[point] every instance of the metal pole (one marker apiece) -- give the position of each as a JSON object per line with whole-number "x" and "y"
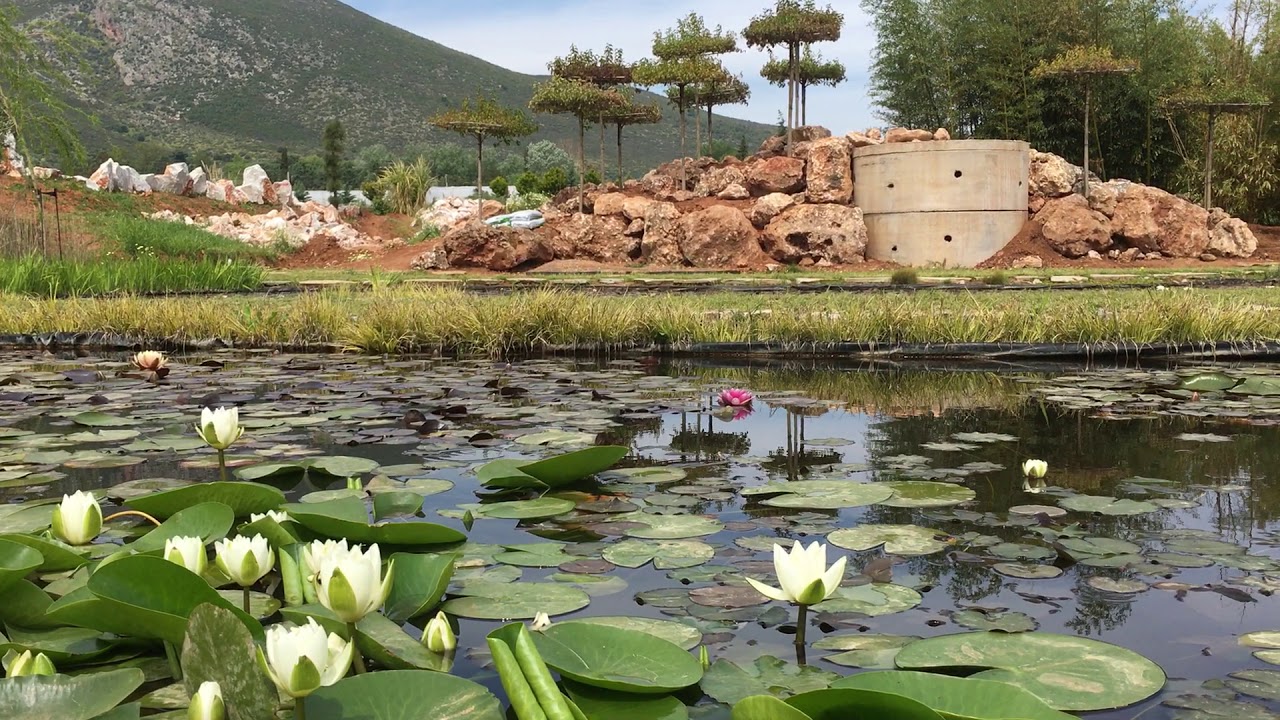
{"x": 1086, "y": 139}
{"x": 1208, "y": 162}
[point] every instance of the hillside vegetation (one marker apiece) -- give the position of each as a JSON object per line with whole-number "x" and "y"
{"x": 255, "y": 75}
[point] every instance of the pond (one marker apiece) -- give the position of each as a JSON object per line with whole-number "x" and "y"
{"x": 1154, "y": 528}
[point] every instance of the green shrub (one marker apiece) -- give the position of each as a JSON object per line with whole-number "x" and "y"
{"x": 527, "y": 201}
{"x": 591, "y": 177}
{"x": 426, "y": 232}
{"x": 904, "y": 276}
{"x": 528, "y": 183}
{"x": 996, "y": 278}
{"x": 553, "y": 181}
{"x": 499, "y": 187}
{"x": 141, "y": 237}
{"x": 403, "y": 186}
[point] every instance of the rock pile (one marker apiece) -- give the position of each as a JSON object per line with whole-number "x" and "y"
{"x": 178, "y": 179}
{"x": 451, "y": 212}
{"x": 10, "y": 161}
{"x": 293, "y": 225}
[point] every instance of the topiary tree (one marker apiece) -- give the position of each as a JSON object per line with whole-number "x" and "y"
{"x": 483, "y": 118}
{"x": 335, "y": 146}
{"x": 1215, "y": 99}
{"x": 793, "y": 24}
{"x": 684, "y": 58}
{"x": 606, "y": 70}
{"x": 813, "y": 70}
{"x": 723, "y": 90}
{"x": 584, "y": 101}
{"x": 1084, "y": 63}
{"x": 630, "y": 113}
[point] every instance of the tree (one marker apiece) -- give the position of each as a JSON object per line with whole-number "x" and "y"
{"x": 335, "y": 146}
{"x": 584, "y": 101}
{"x": 284, "y": 163}
{"x": 725, "y": 89}
{"x": 29, "y": 85}
{"x": 631, "y": 113}
{"x": 483, "y": 118}
{"x": 793, "y": 24}
{"x": 544, "y": 155}
{"x": 684, "y": 58}
{"x": 1085, "y": 63}
{"x": 813, "y": 70}
{"x": 370, "y": 162}
{"x": 604, "y": 71}
{"x": 1213, "y": 100}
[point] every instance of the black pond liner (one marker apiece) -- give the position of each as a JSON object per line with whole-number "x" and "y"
{"x": 850, "y": 351}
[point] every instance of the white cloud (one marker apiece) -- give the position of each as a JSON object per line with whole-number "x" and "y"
{"x": 524, "y": 40}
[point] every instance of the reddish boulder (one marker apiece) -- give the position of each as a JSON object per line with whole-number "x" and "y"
{"x": 611, "y": 203}
{"x": 1232, "y": 238}
{"x": 714, "y": 181}
{"x": 1154, "y": 221}
{"x": 768, "y": 207}
{"x": 663, "y": 232}
{"x": 776, "y": 174}
{"x": 773, "y": 146}
{"x": 816, "y": 233}
{"x": 495, "y": 248}
{"x": 808, "y": 133}
{"x": 592, "y": 237}
{"x": 829, "y": 172}
{"x": 941, "y": 134}
{"x": 1071, "y": 228}
{"x": 721, "y": 236}
{"x": 902, "y": 135}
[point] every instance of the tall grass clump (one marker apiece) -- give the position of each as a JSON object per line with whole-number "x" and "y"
{"x": 904, "y": 276}
{"x": 404, "y": 185}
{"x": 527, "y": 201}
{"x": 35, "y": 275}
{"x": 141, "y": 237}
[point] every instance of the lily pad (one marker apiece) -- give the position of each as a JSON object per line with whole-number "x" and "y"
{"x": 553, "y": 472}
{"x": 67, "y": 697}
{"x": 1107, "y": 505}
{"x": 727, "y": 682}
{"x": 514, "y": 601}
{"x": 1027, "y": 571}
{"x": 664, "y": 554}
{"x": 597, "y": 704}
{"x": 1264, "y": 684}
{"x": 543, "y": 507}
{"x": 16, "y": 561}
{"x": 208, "y": 521}
{"x": 925, "y": 494}
{"x": 418, "y": 584}
{"x": 896, "y": 539}
{"x": 403, "y": 695}
{"x": 682, "y": 635}
{"x": 957, "y": 698}
{"x": 1066, "y": 672}
{"x": 1119, "y": 586}
{"x": 218, "y": 648}
{"x": 871, "y": 600}
{"x": 822, "y": 494}
{"x": 1008, "y": 621}
{"x": 864, "y": 650}
{"x": 348, "y": 518}
{"x": 614, "y": 658}
{"x": 669, "y": 527}
{"x": 244, "y": 498}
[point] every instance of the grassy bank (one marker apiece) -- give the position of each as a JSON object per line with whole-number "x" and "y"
{"x": 427, "y": 319}
{"x": 38, "y": 276}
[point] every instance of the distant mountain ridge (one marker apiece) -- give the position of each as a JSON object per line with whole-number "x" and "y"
{"x": 260, "y": 74}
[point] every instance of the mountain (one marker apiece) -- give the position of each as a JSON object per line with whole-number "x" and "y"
{"x": 254, "y": 75}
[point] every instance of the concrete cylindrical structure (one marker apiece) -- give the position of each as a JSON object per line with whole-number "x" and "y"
{"x": 950, "y": 203}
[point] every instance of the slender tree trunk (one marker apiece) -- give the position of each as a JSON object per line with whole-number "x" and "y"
{"x": 697, "y": 134}
{"x": 619, "y": 153}
{"x": 1208, "y": 162}
{"x": 791, "y": 90}
{"x": 582, "y": 161}
{"x": 603, "y": 172}
{"x": 683, "y": 177}
{"x": 479, "y": 177}
{"x": 709, "y": 140}
{"x": 804, "y": 104}
{"x": 1087, "y": 90}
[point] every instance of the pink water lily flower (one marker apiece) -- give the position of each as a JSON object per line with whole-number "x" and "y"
{"x": 736, "y": 397}
{"x": 741, "y": 413}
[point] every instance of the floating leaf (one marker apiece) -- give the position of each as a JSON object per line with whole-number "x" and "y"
{"x": 16, "y": 561}
{"x": 218, "y": 648}
{"x": 1107, "y": 505}
{"x": 822, "y": 494}
{"x": 543, "y": 507}
{"x": 348, "y": 518}
{"x": 1027, "y": 571}
{"x": 924, "y": 494}
{"x": 872, "y": 600}
{"x": 896, "y": 539}
{"x": 1008, "y": 621}
{"x": 614, "y": 658}
{"x": 418, "y": 584}
{"x": 682, "y": 635}
{"x": 729, "y": 683}
{"x": 515, "y": 601}
{"x": 244, "y": 498}
{"x": 864, "y": 650}
{"x": 403, "y": 695}
{"x": 957, "y": 698}
{"x": 1119, "y": 586}
{"x": 664, "y": 554}
{"x": 208, "y": 521}
{"x": 598, "y": 704}
{"x": 66, "y": 697}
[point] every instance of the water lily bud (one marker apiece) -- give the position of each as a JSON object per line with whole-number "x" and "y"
{"x": 704, "y": 657}
{"x": 149, "y": 360}
{"x": 78, "y": 519}
{"x": 207, "y": 703}
{"x": 541, "y": 622}
{"x": 27, "y": 664}
{"x": 277, "y": 515}
{"x": 219, "y": 428}
{"x": 301, "y": 659}
{"x": 350, "y": 582}
{"x": 1035, "y": 468}
{"x": 803, "y": 575}
{"x": 186, "y": 551}
{"x": 438, "y": 635}
{"x": 353, "y": 483}
{"x": 244, "y": 560}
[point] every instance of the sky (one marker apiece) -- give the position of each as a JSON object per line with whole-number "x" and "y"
{"x": 511, "y": 34}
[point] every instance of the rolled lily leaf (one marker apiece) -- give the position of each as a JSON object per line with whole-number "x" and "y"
{"x": 553, "y": 472}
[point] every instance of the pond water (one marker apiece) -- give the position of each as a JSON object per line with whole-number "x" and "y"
{"x": 1169, "y": 479}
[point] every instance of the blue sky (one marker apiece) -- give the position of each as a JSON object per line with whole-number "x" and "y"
{"x": 515, "y": 36}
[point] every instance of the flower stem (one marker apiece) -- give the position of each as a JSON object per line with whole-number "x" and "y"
{"x": 128, "y": 513}
{"x": 300, "y": 709}
{"x": 222, "y": 465}
{"x": 356, "y": 660}
{"x": 246, "y": 601}
{"x": 802, "y": 622}
{"x": 171, "y": 654}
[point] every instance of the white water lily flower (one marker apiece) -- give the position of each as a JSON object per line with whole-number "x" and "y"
{"x": 1035, "y": 486}
{"x": 244, "y": 560}
{"x": 803, "y": 575}
{"x": 26, "y": 664}
{"x": 313, "y": 555}
{"x": 438, "y": 635}
{"x": 301, "y": 659}
{"x": 78, "y": 518}
{"x": 149, "y": 360}
{"x": 350, "y": 582}
{"x": 541, "y": 622}
{"x": 207, "y": 703}
{"x": 219, "y": 428}
{"x": 186, "y": 551}
{"x": 1035, "y": 468}
{"x": 277, "y": 515}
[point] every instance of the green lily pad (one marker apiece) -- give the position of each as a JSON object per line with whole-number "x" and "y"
{"x": 101, "y": 420}
{"x": 1260, "y": 386}
{"x": 896, "y": 539}
{"x": 727, "y": 682}
{"x": 1208, "y": 382}
{"x": 1099, "y": 546}
{"x": 57, "y": 556}
{"x": 669, "y": 527}
{"x": 1066, "y": 672}
{"x": 957, "y": 698}
{"x": 864, "y": 650}
{"x": 1008, "y": 621}
{"x": 684, "y": 636}
{"x": 403, "y": 695}
{"x": 348, "y": 518}
{"x": 651, "y": 475}
{"x": 614, "y": 658}
{"x": 418, "y": 584}
{"x": 1027, "y": 571}
{"x": 1022, "y": 551}
{"x": 208, "y": 521}
{"x": 67, "y": 697}
{"x": 543, "y": 507}
{"x": 872, "y": 600}
{"x": 598, "y": 704}
{"x": 218, "y": 648}
{"x": 664, "y": 554}
{"x": 16, "y": 561}
{"x": 822, "y": 494}
{"x": 1106, "y": 505}
{"x": 244, "y": 498}
{"x": 847, "y": 702}
{"x": 1119, "y": 586}
{"x": 925, "y": 494}
{"x": 552, "y": 472}
{"x": 1264, "y": 684}
{"x": 514, "y": 601}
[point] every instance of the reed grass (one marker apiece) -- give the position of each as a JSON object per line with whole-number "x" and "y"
{"x": 415, "y": 319}
{"x": 141, "y": 237}
{"x": 36, "y": 275}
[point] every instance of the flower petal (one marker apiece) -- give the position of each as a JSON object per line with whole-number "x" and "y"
{"x": 769, "y": 591}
